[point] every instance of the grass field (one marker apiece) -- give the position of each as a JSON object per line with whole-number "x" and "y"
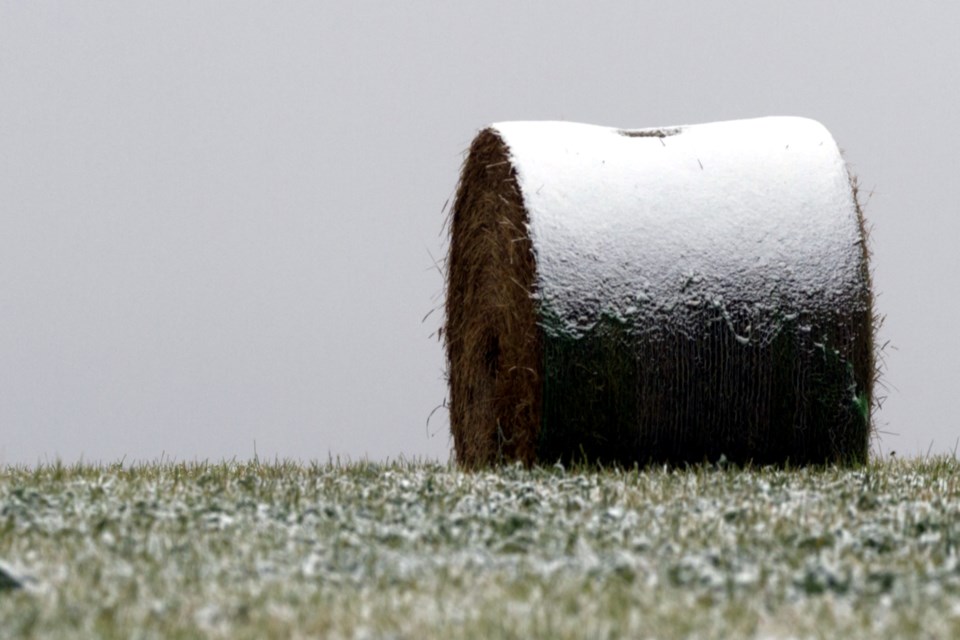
{"x": 416, "y": 550}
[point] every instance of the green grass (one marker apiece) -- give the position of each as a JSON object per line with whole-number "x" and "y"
{"x": 241, "y": 550}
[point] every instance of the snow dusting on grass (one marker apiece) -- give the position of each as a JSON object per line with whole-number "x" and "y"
{"x": 425, "y": 551}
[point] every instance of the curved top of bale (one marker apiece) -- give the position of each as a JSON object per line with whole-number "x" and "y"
{"x": 757, "y": 209}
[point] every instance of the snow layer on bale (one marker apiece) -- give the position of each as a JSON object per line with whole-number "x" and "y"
{"x": 648, "y": 225}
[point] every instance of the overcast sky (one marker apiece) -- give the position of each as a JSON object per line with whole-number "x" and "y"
{"x": 217, "y": 219}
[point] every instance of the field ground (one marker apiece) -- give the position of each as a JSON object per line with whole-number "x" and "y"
{"x": 413, "y": 550}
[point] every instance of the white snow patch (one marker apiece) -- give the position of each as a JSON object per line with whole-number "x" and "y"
{"x": 747, "y": 212}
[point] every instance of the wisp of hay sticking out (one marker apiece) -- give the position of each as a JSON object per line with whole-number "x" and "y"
{"x": 668, "y": 295}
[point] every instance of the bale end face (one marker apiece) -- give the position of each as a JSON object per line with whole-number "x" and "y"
{"x": 492, "y": 338}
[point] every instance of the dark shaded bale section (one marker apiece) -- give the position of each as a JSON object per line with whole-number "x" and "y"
{"x": 493, "y": 343}
{"x": 803, "y": 396}
{"x": 765, "y": 383}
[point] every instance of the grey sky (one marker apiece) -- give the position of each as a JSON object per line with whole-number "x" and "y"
{"x": 216, "y": 219}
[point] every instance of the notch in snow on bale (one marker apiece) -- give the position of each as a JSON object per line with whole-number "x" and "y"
{"x": 612, "y": 301}
{"x": 650, "y": 133}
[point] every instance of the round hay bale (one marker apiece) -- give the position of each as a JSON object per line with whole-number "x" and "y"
{"x": 658, "y": 295}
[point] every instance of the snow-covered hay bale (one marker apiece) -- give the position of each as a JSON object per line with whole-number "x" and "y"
{"x": 675, "y": 294}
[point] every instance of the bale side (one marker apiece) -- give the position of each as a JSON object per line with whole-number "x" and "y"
{"x": 492, "y": 338}
{"x": 798, "y": 390}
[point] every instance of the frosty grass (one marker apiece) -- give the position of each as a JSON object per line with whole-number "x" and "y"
{"x": 414, "y": 550}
